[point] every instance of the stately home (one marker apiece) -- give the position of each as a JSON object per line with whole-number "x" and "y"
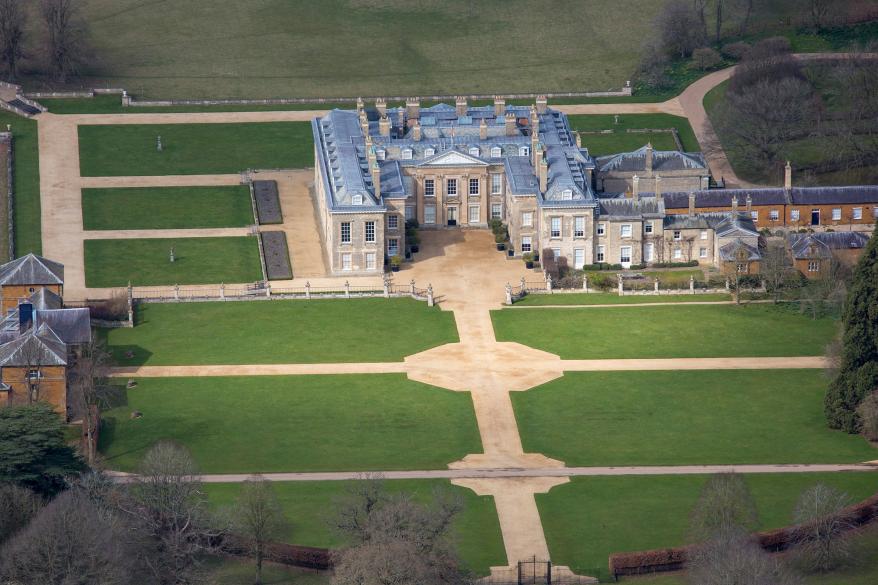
{"x": 459, "y": 166}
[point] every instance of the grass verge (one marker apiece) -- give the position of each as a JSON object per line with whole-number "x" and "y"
{"x": 614, "y": 299}
{"x": 28, "y": 235}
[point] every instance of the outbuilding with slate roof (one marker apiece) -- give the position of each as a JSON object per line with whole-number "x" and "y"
{"x": 655, "y": 171}
{"x": 25, "y": 276}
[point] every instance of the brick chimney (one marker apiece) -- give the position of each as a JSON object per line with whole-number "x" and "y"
{"x": 499, "y": 106}
{"x": 413, "y": 108}
{"x": 511, "y": 125}
{"x": 460, "y": 106}
{"x": 376, "y": 180}
{"x": 483, "y": 129}
{"x": 734, "y": 204}
{"x": 384, "y": 126}
{"x": 416, "y": 130}
{"x": 544, "y": 175}
{"x": 542, "y": 103}
{"x": 691, "y": 203}
{"x": 635, "y": 188}
{"x": 381, "y": 106}
{"x": 537, "y": 155}
{"x": 788, "y": 177}
{"x": 649, "y": 157}
{"x": 749, "y": 203}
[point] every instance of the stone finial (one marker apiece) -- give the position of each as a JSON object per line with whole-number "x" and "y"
{"x": 460, "y": 105}
{"x": 483, "y": 129}
{"x": 542, "y": 104}
{"x": 734, "y": 203}
{"x": 381, "y": 106}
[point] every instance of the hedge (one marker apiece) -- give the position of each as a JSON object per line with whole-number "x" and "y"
{"x": 278, "y": 552}
{"x": 690, "y": 264}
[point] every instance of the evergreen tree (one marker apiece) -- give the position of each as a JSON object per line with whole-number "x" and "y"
{"x": 858, "y": 371}
{"x": 32, "y": 449}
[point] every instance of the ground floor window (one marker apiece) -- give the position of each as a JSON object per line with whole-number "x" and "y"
{"x": 601, "y": 253}
{"x": 345, "y": 261}
{"x": 858, "y": 213}
{"x": 794, "y": 215}
{"x": 678, "y": 253}
{"x": 578, "y": 258}
{"x": 556, "y": 252}
{"x": 625, "y": 254}
{"x": 702, "y": 252}
{"x": 370, "y": 260}
{"x": 526, "y": 244}
{"x": 836, "y": 213}
{"x": 429, "y": 214}
{"x": 496, "y": 211}
{"x": 742, "y": 268}
{"x": 774, "y": 215}
{"x": 474, "y": 212}
{"x": 649, "y": 252}
{"x": 392, "y": 246}
{"x": 409, "y": 213}
{"x": 813, "y": 266}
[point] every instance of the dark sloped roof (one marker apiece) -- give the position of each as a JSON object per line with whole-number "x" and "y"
{"x": 724, "y": 222}
{"x": 37, "y": 347}
{"x": 624, "y": 208}
{"x": 774, "y": 196}
{"x": 729, "y": 252}
{"x": 71, "y": 325}
{"x": 662, "y": 160}
{"x": 45, "y": 299}
{"x": 31, "y": 269}
{"x": 820, "y": 245}
{"x": 834, "y": 195}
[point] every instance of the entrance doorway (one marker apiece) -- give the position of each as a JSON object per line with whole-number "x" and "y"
{"x": 452, "y": 215}
{"x": 815, "y": 217}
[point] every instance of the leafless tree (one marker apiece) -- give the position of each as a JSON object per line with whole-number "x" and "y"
{"x": 700, "y": 6}
{"x": 776, "y": 267}
{"x": 820, "y": 539}
{"x": 89, "y": 390}
{"x": 166, "y": 504}
{"x": 66, "y": 33}
{"x": 17, "y": 506}
{"x": 868, "y": 413}
{"x": 719, "y": 20}
{"x": 12, "y": 35}
{"x": 733, "y": 558}
{"x": 70, "y": 541}
{"x": 258, "y": 517}
{"x": 35, "y": 357}
{"x": 680, "y": 28}
{"x": 818, "y": 10}
{"x": 746, "y": 11}
{"x": 828, "y": 291}
{"x": 724, "y": 506}
{"x": 852, "y": 133}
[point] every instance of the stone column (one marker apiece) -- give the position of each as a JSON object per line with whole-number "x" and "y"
{"x": 176, "y": 292}
{"x": 268, "y": 290}
{"x": 621, "y": 290}
{"x": 656, "y": 285}
{"x": 585, "y": 282}
{"x": 692, "y": 284}
{"x": 222, "y": 291}
{"x": 412, "y": 287}
{"x": 549, "y": 282}
{"x": 386, "y": 287}
{"x": 728, "y": 284}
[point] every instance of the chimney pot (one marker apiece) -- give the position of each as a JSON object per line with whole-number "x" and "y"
{"x": 499, "y": 106}
{"x": 788, "y": 177}
{"x": 511, "y": 125}
{"x": 413, "y": 108}
{"x": 460, "y": 106}
{"x": 734, "y": 203}
{"x": 635, "y": 188}
{"x": 691, "y": 203}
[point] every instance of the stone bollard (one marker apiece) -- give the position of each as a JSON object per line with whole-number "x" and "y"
{"x": 222, "y": 291}
{"x": 307, "y": 289}
{"x": 176, "y": 292}
{"x": 268, "y": 290}
{"x": 126, "y": 99}
{"x": 549, "y": 282}
{"x": 386, "y": 287}
{"x": 728, "y": 285}
{"x": 508, "y": 294}
{"x": 585, "y": 282}
{"x": 347, "y": 289}
{"x": 412, "y": 287}
{"x": 430, "y": 300}
{"x": 691, "y": 284}
{"x": 621, "y": 288}
{"x": 655, "y": 286}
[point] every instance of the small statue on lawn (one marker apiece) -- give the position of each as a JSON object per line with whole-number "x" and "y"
{"x": 158, "y": 143}
{"x": 172, "y": 255}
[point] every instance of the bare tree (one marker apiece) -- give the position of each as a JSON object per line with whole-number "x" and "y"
{"x": 724, "y": 506}
{"x": 820, "y": 539}
{"x": 719, "y": 21}
{"x": 680, "y": 28}
{"x": 35, "y": 357}
{"x": 70, "y": 541}
{"x": 818, "y": 10}
{"x": 258, "y": 517}
{"x": 868, "y": 413}
{"x": 746, "y": 9}
{"x": 827, "y": 292}
{"x": 90, "y": 389}
{"x": 776, "y": 267}
{"x": 17, "y": 506}
{"x": 66, "y": 34}
{"x": 165, "y": 502}
{"x": 733, "y": 558}
{"x": 12, "y": 35}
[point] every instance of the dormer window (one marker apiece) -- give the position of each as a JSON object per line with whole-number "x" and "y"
{"x": 357, "y": 200}
{"x": 380, "y": 153}
{"x": 567, "y": 194}
{"x": 429, "y": 151}
{"x": 406, "y": 154}
{"x": 474, "y": 151}
{"x": 496, "y": 152}
{"x": 524, "y": 151}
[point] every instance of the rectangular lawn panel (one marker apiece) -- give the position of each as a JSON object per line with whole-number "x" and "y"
{"x": 193, "y": 149}
{"x": 310, "y": 506}
{"x": 590, "y": 518}
{"x": 684, "y": 418}
{"x": 677, "y": 331}
{"x": 146, "y": 261}
{"x": 153, "y": 208}
{"x": 294, "y": 423}
{"x": 614, "y": 299}
{"x": 291, "y": 331}
{"x": 26, "y": 183}
{"x": 599, "y": 122}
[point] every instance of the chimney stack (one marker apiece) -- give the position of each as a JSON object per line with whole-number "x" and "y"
{"x": 749, "y": 203}
{"x": 384, "y": 126}
{"x": 400, "y": 115}
{"x": 364, "y": 124}
{"x": 578, "y": 138}
{"x": 360, "y": 105}
{"x": 544, "y": 175}
{"x": 511, "y": 125}
{"x": 788, "y": 177}
{"x": 649, "y": 157}
{"x": 534, "y": 121}
{"x": 483, "y": 129}
{"x": 499, "y": 106}
{"x": 413, "y": 108}
{"x": 734, "y": 204}
{"x": 371, "y": 156}
{"x": 542, "y": 103}
{"x": 460, "y": 106}
{"x": 416, "y": 130}
{"x": 691, "y": 203}
{"x": 376, "y": 180}
{"x": 635, "y": 188}
{"x": 658, "y": 189}
{"x": 537, "y": 156}
{"x": 534, "y": 147}
{"x": 381, "y": 106}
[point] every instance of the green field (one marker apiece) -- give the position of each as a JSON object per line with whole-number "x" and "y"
{"x": 614, "y": 299}
{"x": 26, "y": 183}
{"x": 684, "y": 418}
{"x": 677, "y": 331}
{"x": 146, "y": 261}
{"x": 310, "y": 506}
{"x": 317, "y": 331}
{"x": 591, "y": 517}
{"x": 235, "y": 571}
{"x": 294, "y": 423}
{"x": 193, "y": 149}
{"x": 152, "y": 208}
{"x": 622, "y": 141}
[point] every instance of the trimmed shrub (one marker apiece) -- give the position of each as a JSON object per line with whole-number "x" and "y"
{"x": 736, "y": 51}
{"x": 286, "y": 554}
{"x": 690, "y": 264}
{"x": 705, "y": 58}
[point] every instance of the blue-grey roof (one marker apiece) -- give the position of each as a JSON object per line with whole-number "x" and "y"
{"x": 725, "y": 223}
{"x": 40, "y": 346}
{"x": 31, "y": 270}
{"x": 624, "y": 208}
{"x": 821, "y": 244}
{"x": 45, "y": 299}
{"x": 729, "y": 252}
{"x": 72, "y": 326}
{"x": 662, "y": 160}
{"x": 775, "y": 196}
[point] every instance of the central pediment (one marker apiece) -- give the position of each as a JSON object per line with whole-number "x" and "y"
{"x": 453, "y": 158}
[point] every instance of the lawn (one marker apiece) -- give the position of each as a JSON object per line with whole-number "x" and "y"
{"x": 28, "y": 236}
{"x": 293, "y": 331}
{"x": 613, "y": 299}
{"x": 193, "y": 149}
{"x": 310, "y": 506}
{"x": 294, "y": 423}
{"x": 152, "y": 208}
{"x": 146, "y": 261}
{"x": 591, "y": 517}
{"x": 671, "y": 331}
{"x": 684, "y": 418}
{"x": 235, "y": 571}
{"x": 622, "y": 141}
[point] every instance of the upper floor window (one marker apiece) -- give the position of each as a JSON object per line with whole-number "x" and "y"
{"x": 496, "y": 152}
{"x": 556, "y": 227}
{"x": 380, "y": 154}
{"x": 392, "y": 222}
{"x": 345, "y": 232}
{"x": 647, "y": 227}
{"x": 794, "y": 214}
{"x": 474, "y": 151}
{"x": 754, "y": 215}
{"x": 429, "y": 188}
{"x": 678, "y": 235}
{"x": 496, "y": 184}
{"x": 579, "y": 227}
{"x": 602, "y": 229}
{"x": 407, "y": 154}
{"x": 858, "y": 213}
{"x": 451, "y": 186}
{"x": 429, "y": 151}
{"x": 473, "y": 186}
{"x": 524, "y": 151}
{"x": 813, "y": 266}
{"x": 773, "y": 215}
{"x": 703, "y": 235}
{"x": 527, "y": 219}
{"x": 356, "y": 200}
{"x": 567, "y": 194}
{"x": 370, "y": 232}
{"x": 625, "y": 230}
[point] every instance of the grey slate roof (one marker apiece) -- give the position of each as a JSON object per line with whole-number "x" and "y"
{"x": 39, "y": 346}
{"x": 662, "y": 160}
{"x": 821, "y": 245}
{"x": 72, "y": 326}
{"x": 31, "y": 269}
{"x": 729, "y": 252}
{"x": 45, "y": 299}
{"x": 629, "y": 208}
{"x": 834, "y": 195}
{"x": 775, "y": 196}
{"x": 725, "y": 223}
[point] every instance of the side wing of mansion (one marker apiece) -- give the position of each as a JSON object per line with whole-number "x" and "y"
{"x": 460, "y": 166}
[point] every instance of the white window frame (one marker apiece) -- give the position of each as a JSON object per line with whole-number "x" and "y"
{"x": 602, "y": 229}
{"x": 380, "y": 154}
{"x": 567, "y": 195}
{"x": 368, "y": 237}
{"x": 678, "y": 254}
{"x": 496, "y": 152}
{"x": 393, "y": 246}
{"x": 427, "y": 214}
{"x": 754, "y": 215}
{"x": 345, "y": 232}
{"x": 429, "y": 152}
{"x": 429, "y": 187}
{"x": 622, "y": 252}
{"x": 356, "y": 200}
{"x": 836, "y": 214}
{"x": 813, "y": 266}
{"x": 555, "y": 227}
{"x": 579, "y": 226}
{"x": 875, "y": 212}
{"x": 409, "y": 212}
{"x": 702, "y": 252}
{"x": 474, "y": 183}
{"x": 703, "y": 234}
{"x": 524, "y": 151}
{"x": 601, "y": 254}
{"x": 578, "y": 258}
{"x": 392, "y": 221}
{"x": 370, "y": 261}
{"x": 451, "y": 187}
{"x": 478, "y": 211}
{"x": 496, "y": 211}
{"x": 526, "y": 244}
{"x": 406, "y": 154}
{"x": 625, "y": 230}
{"x": 857, "y": 213}
{"x": 474, "y": 151}
{"x": 527, "y": 219}
{"x": 794, "y": 215}
{"x": 773, "y": 215}
{"x": 496, "y": 184}
{"x": 649, "y": 252}
{"x": 347, "y": 261}
{"x": 647, "y": 227}
{"x": 678, "y": 235}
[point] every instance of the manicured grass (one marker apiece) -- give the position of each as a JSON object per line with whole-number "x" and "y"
{"x": 590, "y": 518}
{"x": 599, "y": 144}
{"x": 361, "y": 330}
{"x": 28, "y": 235}
{"x": 667, "y": 331}
{"x": 684, "y": 418}
{"x": 193, "y": 149}
{"x": 112, "y": 104}
{"x": 145, "y": 262}
{"x": 166, "y": 208}
{"x": 236, "y": 571}
{"x": 614, "y": 299}
{"x": 294, "y": 423}
{"x": 310, "y": 506}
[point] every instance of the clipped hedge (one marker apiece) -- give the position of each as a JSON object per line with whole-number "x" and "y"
{"x": 278, "y": 552}
{"x": 690, "y": 264}
{"x": 673, "y": 559}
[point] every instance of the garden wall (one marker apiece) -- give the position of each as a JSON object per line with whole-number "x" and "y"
{"x": 287, "y": 554}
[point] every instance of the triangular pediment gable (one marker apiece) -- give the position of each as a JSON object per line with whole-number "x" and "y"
{"x": 453, "y": 158}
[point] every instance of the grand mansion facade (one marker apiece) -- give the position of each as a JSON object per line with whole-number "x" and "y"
{"x": 452, "y": 167}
